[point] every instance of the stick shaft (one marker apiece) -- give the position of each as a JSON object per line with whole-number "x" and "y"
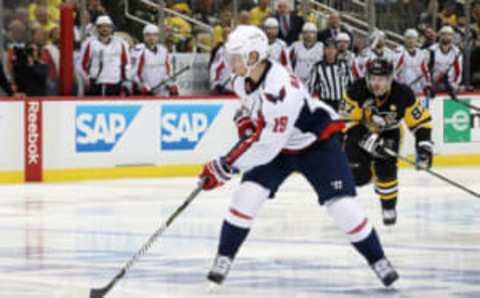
{"x": 149, "y": 243}
{"x": 433, "y": 173}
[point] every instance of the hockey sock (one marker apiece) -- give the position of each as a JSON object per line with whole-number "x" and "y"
{"x": 352, "y": 220}
{"x": 388, "y": 192}
{"x": 231, "y": 238}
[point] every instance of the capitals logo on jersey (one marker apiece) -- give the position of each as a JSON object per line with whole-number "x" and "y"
{"x": 183, "y": 126}
{"x": 99, "y": 128}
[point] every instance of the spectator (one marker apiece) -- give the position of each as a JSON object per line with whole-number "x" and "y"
{"x": 152, "y": 69}
{"x": 333, "y": 29}
{"x": 290, "y": 24}
{"x": 29, "y": 72}
{"x": 259, "y": 13}
{"x": 95, "y": 9}
{"x": 40, "y": 37}
{"x": 448, "y": 15}
{"x": 42, "y": 18}
{"x": 51, "y": 56}
{"x": 51, "y": 7}
{"x": 277, "y": 48}
{"x": 305, "y": 53}
{"x": 446, "y": 62}
{"x": 16, "y": 39}
{"x": 225, "y": 21}
{"x": 181, "y": 29}
{"x": 244, "y": 18}
{"x": 429, "y": 37}
{"x": 102, "y": 78}
{"x": 4, "y": 83}
{"x": 21, "y": 14}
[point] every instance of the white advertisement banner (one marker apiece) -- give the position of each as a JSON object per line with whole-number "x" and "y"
{"x": 11, "y": 136}
{"x": 136, "y": 133}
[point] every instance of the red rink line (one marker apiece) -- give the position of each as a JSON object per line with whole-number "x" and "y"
{"x": 120, "y": 98}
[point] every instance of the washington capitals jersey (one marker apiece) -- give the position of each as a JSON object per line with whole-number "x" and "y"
{"x": 362, "y": 62}
{"x": 303, "y": 59}
{"x": 411, "y": 68}
{"x": 286, "y": 117}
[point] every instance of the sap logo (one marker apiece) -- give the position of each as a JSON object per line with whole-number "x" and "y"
{"x": 183, "y": 126}
{"x": 100, "y": 127}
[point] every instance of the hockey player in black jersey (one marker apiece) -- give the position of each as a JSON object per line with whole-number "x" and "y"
{"x": 376, "y": 107}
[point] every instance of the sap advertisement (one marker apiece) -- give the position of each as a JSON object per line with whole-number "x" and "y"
{"x": 137, "y": 133}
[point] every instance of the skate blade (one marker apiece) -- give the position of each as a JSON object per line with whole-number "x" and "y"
{"x": 213, "y": 288}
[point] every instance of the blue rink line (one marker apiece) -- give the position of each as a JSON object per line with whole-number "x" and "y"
{"x": 215, "y": 238}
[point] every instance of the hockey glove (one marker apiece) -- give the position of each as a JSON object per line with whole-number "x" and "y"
{"x": 215, "y": 173}
{"x": 429, "y": 92}
{"x": 373, "y": 144}
{"x": 244, "y": 123}
{"x": 173, "y": 90}
{"x": 424, "y": 155}
{"x": 145, "y": 89}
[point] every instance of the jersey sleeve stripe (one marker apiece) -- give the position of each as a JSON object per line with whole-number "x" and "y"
{"x": 245, "y": 144}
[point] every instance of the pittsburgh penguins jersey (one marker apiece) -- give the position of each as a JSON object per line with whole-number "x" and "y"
{"x": 386, "y": 113}
{"x": 303, "y": 59}
{"x": 286, "y": 118}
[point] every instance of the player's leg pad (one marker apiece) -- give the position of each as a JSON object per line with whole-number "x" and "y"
{"x": 245, "y": 204}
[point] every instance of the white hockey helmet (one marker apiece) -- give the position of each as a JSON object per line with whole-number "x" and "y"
{"x": 152, "y": 29}
{"x": 104, "y": 20}
{"x": 309, "y": 27}
{"x": 271, "y": 23}
{"x": 243, "y": 41}
{"x": 411, "y": 33}
{"x": 342, "y": 36}
{"x": 447, "y": 29}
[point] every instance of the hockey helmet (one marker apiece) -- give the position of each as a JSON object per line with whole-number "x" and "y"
{"x": 243, "y": 41}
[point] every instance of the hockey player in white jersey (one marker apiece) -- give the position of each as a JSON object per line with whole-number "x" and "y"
{"x": 411, "y": 65}
{"x": 283, "y": 130}
{"x": 377, "y": 50}
{"x": 218, "y": 70}
{"x": 446, "y": 62}
{"x": 343, "y": 46}
{"x": 105, "y": 61}
{"x": 277, "y": 48}
{"x": 304, "y": 54}
{"x": 152, "y": 66}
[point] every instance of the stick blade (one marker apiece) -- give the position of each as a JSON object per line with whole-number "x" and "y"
{"x": 98, "y": 293}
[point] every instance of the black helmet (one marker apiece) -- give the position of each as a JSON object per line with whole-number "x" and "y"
{"x": 380, "y": 67}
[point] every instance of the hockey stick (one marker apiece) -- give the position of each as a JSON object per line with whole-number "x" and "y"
{"x": 172, "y": 77}
{"x": 101, "y": 292}
{"x": 453, "y": 95}
{"x": 441, "y": 177}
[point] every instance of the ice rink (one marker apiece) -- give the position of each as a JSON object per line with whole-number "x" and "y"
{"x": 80, "y": 234}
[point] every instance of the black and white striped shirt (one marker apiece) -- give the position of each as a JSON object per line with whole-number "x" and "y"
{"x": 330, "y": 81}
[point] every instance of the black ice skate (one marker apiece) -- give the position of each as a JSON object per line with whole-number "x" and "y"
{"x": 385, "y": 272}
{"x": 220, "y": 268}
{"x": 389, "y": 217}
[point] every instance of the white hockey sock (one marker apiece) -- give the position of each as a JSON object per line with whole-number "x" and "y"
{"x": 350, "y": 218}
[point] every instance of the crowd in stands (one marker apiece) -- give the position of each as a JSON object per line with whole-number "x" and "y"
{"x": 31, "y": 61}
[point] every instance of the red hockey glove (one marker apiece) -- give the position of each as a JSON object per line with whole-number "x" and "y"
{"x": 173, "y": 90}
{"x": 245, "y": 125}
{"x": 215, "y": 173}
{"x": 145, "y": 89}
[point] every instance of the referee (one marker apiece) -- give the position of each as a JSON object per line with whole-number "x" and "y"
{"x": 330, "y": 77}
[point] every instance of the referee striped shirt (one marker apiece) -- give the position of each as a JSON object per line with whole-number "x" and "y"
{"x": 330, "y": 81}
